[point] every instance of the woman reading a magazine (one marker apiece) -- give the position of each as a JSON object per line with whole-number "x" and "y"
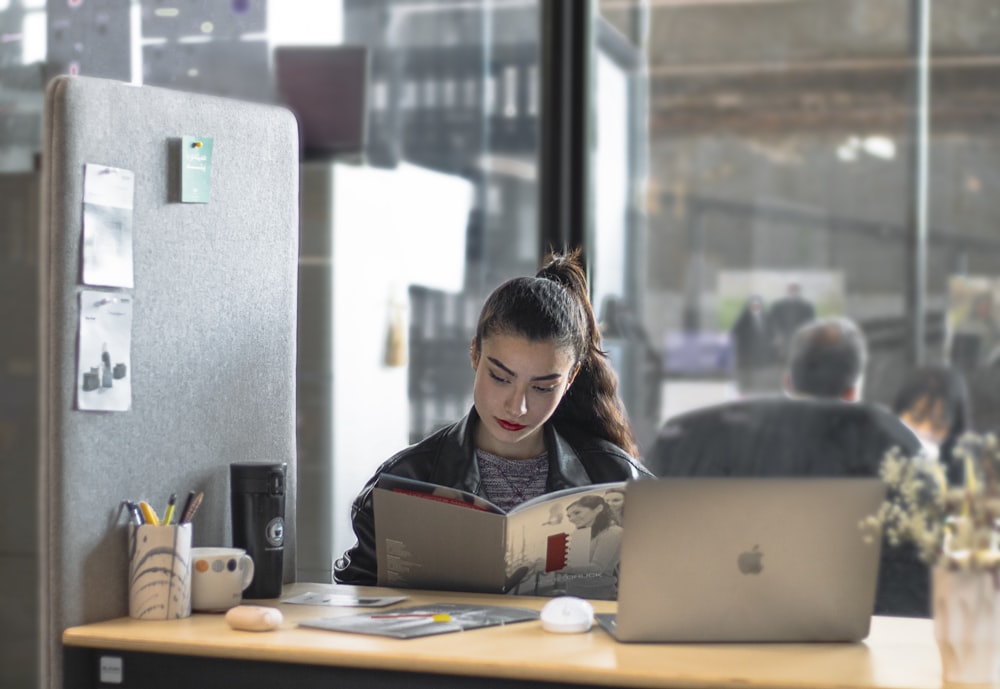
{"x": 546, "y": 413}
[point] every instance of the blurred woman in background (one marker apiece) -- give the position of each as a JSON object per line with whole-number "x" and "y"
{"x": 934, "y": 403}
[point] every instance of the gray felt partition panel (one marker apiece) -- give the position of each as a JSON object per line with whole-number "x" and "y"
{"x": 213, "y": 331}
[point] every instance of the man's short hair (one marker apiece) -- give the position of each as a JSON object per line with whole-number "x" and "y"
{"x": 827, "y": 357}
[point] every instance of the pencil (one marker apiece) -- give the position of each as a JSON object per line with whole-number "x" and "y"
{"x": 169, "y": 515}
{"x": 187, "y": 506}
{"x": 192, "y": 507}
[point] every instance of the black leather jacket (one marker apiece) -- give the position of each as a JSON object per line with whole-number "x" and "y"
{"x": 448, "y": 458}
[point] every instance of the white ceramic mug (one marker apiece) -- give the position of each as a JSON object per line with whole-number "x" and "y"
{"x": 219, "y": 577}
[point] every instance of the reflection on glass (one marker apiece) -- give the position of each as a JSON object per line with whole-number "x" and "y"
{"x": 451, "y": 108}
{"x": 789, "y": 160}
{"x": 450, "y": 94}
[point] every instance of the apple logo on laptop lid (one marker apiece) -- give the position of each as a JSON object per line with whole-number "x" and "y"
{"x": 751, "y": 561}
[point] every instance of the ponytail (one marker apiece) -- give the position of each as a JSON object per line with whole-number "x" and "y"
{"x": 591, "y": 402}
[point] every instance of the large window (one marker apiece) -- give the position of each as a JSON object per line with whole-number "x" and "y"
{"x": 452, "y": 110}
{"x": 842, "y": 151}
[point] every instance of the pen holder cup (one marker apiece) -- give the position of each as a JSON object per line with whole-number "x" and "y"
{"x": 159, "y": 571}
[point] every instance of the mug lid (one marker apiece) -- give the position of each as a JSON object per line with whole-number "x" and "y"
{"x": 257, "y": 477}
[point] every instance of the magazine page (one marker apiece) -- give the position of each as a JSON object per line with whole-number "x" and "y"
{"x": 432, "y": 544}
{"x": 424, "y": 620}
{"x": 567, "y": 542}
{"x": 557, "y": 495}
{"x": 431, "y": 491}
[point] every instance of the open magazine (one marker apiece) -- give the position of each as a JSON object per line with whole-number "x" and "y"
{"x": 433, "y": 537}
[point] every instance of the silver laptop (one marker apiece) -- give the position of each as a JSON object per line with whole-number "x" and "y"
{"x": 747, "y": 559}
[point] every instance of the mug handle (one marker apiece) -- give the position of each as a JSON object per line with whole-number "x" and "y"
{"x": 247, "y": 571}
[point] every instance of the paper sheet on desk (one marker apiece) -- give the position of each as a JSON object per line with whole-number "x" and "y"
{"x": 343, "y": 600}
{"x": 424, "y": 620}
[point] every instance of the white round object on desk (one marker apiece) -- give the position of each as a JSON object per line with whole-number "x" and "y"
{"x": 567, "y": 615}
{"x": 254, "y": 618}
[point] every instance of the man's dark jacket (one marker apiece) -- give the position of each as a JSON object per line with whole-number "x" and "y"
{"x": 781, "y": 436}
{"x": 448, "y": 458}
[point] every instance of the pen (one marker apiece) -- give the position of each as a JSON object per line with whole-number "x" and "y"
{"x": 171, "y": 503}
{"x": 148, "y": 513}
{"x": 192, "y": 507}
{"x": 435, "y": 616}
{"x": 134, "y": 513}
{"x": 187, "y": 506}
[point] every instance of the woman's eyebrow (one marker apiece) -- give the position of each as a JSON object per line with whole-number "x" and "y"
{"x": 498, "y": 364}
{"x": 551, "y": 376}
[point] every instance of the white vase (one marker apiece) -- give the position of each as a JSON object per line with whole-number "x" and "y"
{"x": 966, "y": 606}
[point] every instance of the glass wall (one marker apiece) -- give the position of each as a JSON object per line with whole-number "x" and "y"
{"x": 407, "y": 222}
{"x": 451, "y": 108}
{"x": 789, "y": 150}
{"x": 454, "y": 88}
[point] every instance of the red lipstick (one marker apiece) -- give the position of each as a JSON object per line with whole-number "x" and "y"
{"x": 508, "y": 426}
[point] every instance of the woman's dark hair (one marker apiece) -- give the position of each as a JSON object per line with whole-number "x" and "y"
{"x": 937, "y": 387}
{"x": 603, "y": 519}
{"x": 554, "y": 307}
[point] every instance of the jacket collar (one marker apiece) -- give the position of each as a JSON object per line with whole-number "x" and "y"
{"x": 455, "y": 463}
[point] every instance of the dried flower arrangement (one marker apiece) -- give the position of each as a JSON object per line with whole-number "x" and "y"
{"x": 955, "y": 527}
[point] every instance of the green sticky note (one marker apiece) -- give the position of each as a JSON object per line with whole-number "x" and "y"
{"x": 196, "y": 168}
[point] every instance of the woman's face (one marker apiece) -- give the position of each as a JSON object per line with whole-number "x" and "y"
{"x": 519, "y": 384}
{"x": 927, "y": 419}
{"x": 582, "y": 516}
{"x": 615, "y": 501}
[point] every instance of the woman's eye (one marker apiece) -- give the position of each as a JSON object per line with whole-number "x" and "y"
{"x": 497, "y": 378}
{"x": 539, "y": 388}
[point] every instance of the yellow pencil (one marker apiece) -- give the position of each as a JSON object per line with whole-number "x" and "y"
{"x": 170, "y": 509}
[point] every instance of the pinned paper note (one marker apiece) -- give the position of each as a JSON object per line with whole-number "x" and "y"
{"x": 107, "y": 225}
{"x": 104, "y": 375}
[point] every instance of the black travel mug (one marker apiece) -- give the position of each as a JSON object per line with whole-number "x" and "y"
{"x": 257, "y": 499}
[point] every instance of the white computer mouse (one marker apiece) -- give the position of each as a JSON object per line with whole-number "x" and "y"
{"x": 567, "y": 615}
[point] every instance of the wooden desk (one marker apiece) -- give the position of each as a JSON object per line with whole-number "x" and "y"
{"x": 202, "y": 651}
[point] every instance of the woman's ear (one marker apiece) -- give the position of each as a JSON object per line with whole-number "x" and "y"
{"x": 474, "y": 354}
{"x": 572, "y": 376}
